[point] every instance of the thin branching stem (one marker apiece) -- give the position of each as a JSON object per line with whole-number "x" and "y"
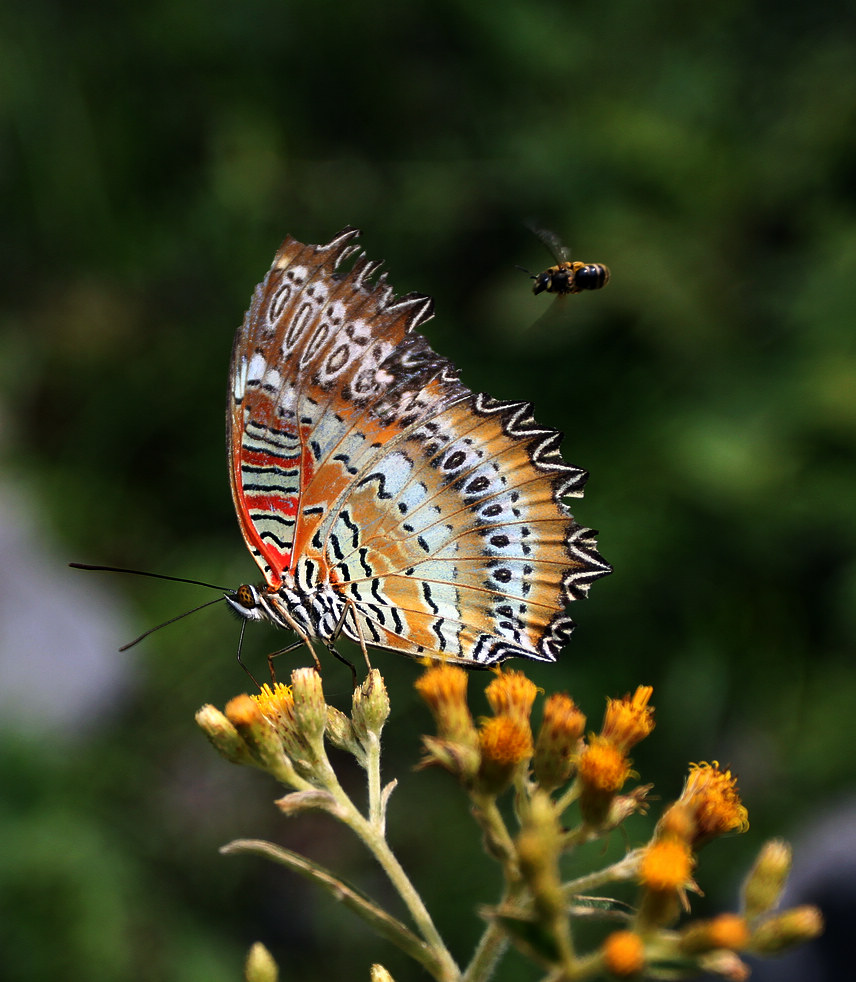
{"x": 494, "y": 941}
{"x": 624, "y": 869}
{"x": 370, "y": 830}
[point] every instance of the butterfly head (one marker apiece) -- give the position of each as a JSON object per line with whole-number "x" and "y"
{"x": 246, "y": 601}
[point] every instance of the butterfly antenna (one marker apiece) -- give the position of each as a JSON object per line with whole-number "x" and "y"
{"x": 157, "y": 576}
{"x": 172, "y": 620}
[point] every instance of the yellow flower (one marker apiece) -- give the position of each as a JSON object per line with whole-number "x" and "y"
{"x": 258, "y": 732}
{"x": 623, "y": 953}
{"x": 711, "y": 796}
{"x": 277, "y": 705}
{"x": 505, "y": 740}
{"x": 666, "y": 873}
{"x": 629, "y": 720}
{"x": 504, "y": 743}
{"x": 603, "y": 766}
{"x": 244, "y": 710}
{"x": 512, "y": 694}
{"x": 677, "y": 822}
{"x": 728, "y": 931}
{"x": 666, "y": 866}
{"x": 602, "y": 770}
{"x": 444, "y": 689}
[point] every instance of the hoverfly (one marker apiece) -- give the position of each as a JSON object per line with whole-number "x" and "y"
{"x": 567, "y": 276}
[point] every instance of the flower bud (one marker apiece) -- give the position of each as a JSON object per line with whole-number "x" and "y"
{"x": 223, "y": 735}
{"x": 782, "y": 931}
{"x": 260, "y": 966}
{"x": 726, "y": 931}
{"x": 766, "y": 879}
{"x": 370, "y": 705}
{"x": 562, "y": 726}
{"x": 340, "y": 732}
{"x": 310, "y": 709}
{"x": 724, "y": 964}
{"x": 244, "y": 713}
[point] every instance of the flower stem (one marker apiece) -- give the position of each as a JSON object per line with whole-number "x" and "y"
{"x": 371, "y": 831}
{"x": 376, "y": 810}
{"x": 622, "y": 870}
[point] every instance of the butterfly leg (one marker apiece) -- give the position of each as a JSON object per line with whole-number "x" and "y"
{"x": 350, "y": 606}
{"x": 271, "y": 656}
{"x": 303, "y": 641}
{"x": 345, "y": 661}
{"x": 336, "y": 632}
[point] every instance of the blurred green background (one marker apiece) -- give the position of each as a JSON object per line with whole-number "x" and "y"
{"x": 153, "y": 156}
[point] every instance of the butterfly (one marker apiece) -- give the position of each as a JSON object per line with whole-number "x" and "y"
{"x": 567, "y": 276}
{"x": 381, "y": 498}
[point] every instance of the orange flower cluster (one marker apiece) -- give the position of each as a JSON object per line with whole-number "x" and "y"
{"x": 283, "y": 729}
{"x": 604, "y": 764}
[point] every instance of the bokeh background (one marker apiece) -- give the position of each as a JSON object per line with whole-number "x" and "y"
{"x": 153, "y": 156}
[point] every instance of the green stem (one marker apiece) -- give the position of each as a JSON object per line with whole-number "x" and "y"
{"x": 624, "y": 869}
{"x": 493, "y": 942}
{"x": 383, "y": 924}
{"x": 376, "y": 811}
{"x": 496, "y": 833}
{"x": 568, "y": 798}
{"x": 372, "y": 834}
{"x": 490, "y": 949}
{"x": 379, "y": 848}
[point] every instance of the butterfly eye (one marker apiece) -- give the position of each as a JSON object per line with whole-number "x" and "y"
{"x": 246, "y": 596}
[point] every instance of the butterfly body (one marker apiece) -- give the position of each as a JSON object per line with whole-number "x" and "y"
{"x": 380, "y": 497}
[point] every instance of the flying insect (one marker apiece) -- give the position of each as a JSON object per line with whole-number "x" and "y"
{"x": 567, "y": 276}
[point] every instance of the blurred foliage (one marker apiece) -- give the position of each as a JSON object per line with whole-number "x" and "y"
{"x": 153, "y": 156}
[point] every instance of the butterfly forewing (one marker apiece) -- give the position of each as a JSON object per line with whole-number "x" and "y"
{"x": 372, "y": 481}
